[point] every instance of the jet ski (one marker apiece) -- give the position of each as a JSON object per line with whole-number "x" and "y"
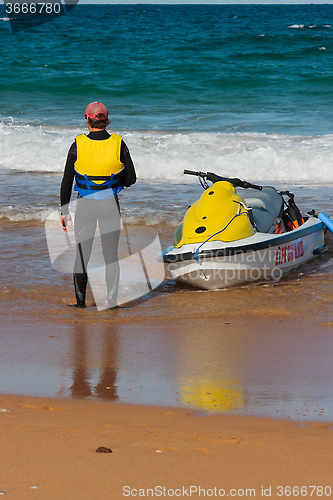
{"x": 229, "y": 238}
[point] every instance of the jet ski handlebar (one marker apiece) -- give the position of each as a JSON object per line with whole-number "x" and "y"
{"x": 216, "y": 178}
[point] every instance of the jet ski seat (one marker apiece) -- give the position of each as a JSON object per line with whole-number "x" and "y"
{"x": 266, "y": 206}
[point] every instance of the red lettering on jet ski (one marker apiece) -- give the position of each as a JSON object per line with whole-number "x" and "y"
{"x": 289, "y": 252}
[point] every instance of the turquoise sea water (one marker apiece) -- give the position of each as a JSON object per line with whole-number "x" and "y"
{"x": 252, "y": 68}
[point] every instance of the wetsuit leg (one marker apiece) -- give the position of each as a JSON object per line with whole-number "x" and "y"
{"x": 110, "y": 242}
{"x": 80, "y": 287}
{"x": 84, "y": 235}
{"x": 109, "y": 227}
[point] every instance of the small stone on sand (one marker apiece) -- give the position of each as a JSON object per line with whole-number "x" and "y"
{"x": 102, "y": 449}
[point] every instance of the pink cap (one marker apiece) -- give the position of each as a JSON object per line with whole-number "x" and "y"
{"x": 95, "y": 108}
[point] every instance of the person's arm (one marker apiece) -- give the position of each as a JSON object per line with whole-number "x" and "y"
{"x": 129, "y": 177}
{"x": 66, "y": 186}
{"x": 68, "y": 178}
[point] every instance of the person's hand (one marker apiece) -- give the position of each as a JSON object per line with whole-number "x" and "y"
{"x": 66, "y": 220}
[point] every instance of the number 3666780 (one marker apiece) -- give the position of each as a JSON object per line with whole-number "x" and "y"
{"x": 33, "y": 8}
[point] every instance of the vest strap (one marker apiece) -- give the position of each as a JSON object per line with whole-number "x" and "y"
{"x": 85, "y": 184}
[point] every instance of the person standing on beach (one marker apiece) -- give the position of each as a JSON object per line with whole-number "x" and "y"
{"x": 101, "y": 165}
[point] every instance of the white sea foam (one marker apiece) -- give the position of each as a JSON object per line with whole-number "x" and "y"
{"x": 34, "y": 149}
{"x": 164, "y": 155}
{"x": 147, "y": 218}
{"x": 311, "y": 26}
{"x": 255, "y": 157}
{"x": 15, "y": 214}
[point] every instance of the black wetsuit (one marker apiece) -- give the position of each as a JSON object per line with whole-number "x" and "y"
{"x": 88, "y": 212}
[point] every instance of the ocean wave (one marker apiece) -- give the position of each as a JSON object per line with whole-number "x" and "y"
{"x": 251, "y": 156}
{"x": 164, "y": 155}
{"x": 152, "y": 217}
{"x": 296, "y": 26}
{"x": 34, "y": 149}
{"x": 310, "y": 26}
{"x": 25, "y": 214}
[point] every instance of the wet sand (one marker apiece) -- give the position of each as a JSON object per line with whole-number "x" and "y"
{"x": 49, "y": 452}
{"x": 262, "y": 350}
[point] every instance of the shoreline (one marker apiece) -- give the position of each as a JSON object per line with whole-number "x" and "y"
{"x": 245, "y": 351}
{"x": 51, "y": 444}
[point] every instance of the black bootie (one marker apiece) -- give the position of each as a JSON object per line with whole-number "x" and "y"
{"x": 80, "y": 286}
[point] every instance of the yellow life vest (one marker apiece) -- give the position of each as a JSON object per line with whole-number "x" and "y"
{"x": 98, "y": 164}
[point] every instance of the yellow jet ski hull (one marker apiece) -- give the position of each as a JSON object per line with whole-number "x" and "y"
{"x": 219, "y": 214}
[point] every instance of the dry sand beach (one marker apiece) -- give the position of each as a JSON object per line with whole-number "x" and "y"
{"x": 51, "y": 445}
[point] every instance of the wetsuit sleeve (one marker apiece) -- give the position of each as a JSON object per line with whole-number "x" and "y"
{"x": 125, "y": 158}
{"x": 68, "y": 178}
